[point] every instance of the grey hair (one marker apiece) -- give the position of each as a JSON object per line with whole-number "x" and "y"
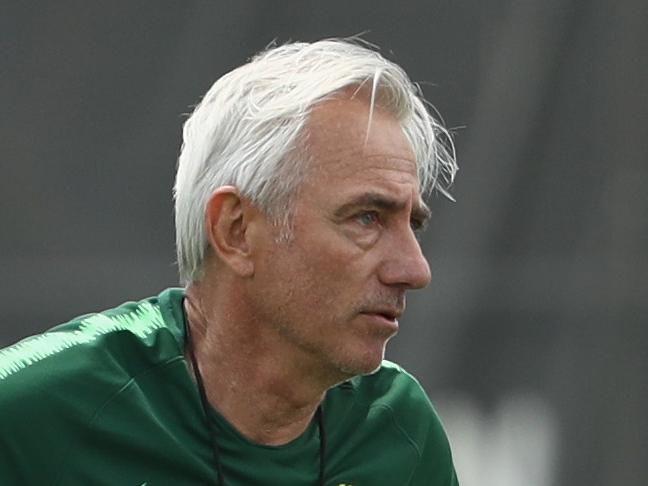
{"x": 246, "y": 132}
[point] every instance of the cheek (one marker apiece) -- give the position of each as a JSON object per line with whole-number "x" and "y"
{"x": 314, "y": 282}
{"x": 285, "y": 286}
{"x": 321, "y": 274}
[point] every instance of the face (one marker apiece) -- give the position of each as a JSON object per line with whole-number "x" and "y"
{"x": 335, "y": 291}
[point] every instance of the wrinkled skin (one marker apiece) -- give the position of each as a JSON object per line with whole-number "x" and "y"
{"x": 334, "y": 292}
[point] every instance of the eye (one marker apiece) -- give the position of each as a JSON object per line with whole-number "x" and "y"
{"x": 368, "y": 218}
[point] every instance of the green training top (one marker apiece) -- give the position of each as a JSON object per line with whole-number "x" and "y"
{"x": 107, "y": 399}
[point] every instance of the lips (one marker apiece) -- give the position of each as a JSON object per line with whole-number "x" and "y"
{"x": 390, "y": 314}
{"x": 383, "y": 318}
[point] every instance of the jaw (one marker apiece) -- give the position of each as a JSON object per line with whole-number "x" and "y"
{"x": 361, "y": 355}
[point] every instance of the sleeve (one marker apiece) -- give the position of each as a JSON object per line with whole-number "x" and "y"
{"x": 435, "y": 466}
{"x": 420, "y": 422}
{"x": 41, "y": 410}
{"x": 27, "y": 455}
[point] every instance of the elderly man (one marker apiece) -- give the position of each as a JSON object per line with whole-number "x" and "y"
{"x": 299, "y": 192}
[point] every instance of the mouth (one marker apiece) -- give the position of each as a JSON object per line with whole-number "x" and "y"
{"x": 385, "y": 318}
{"x": 391, "y": 313}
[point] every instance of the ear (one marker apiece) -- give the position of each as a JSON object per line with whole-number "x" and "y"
{"x": 227, "y": 216}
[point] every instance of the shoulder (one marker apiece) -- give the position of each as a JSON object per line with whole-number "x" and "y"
{"x": 396, "y": 392}
{"x": 53, "y": 384}
{"x": 394, "y": 387}
{"x": 399, "y": 394}
{"x": 84, "y": 355}
{"x": 390, "y": 409}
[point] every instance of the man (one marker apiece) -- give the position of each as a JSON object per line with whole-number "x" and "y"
{"x": 298, "y": 195}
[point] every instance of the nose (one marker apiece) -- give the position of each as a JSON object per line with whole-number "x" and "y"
{"x": 404, "y": 264}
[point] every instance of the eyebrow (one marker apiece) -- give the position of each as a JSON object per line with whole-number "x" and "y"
{"x": 420, "y": 212}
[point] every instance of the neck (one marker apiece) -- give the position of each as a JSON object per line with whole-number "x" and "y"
{"x": 266, "y": 392}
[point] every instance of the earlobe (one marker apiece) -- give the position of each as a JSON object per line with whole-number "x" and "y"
{"x": 227, "y": 218}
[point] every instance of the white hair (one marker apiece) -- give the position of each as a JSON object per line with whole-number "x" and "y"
{"x": 246, "y": 132}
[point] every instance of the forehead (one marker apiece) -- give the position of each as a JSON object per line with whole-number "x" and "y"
{"x": 349, "y": 151}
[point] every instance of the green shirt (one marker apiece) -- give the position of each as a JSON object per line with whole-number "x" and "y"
{"x": 107, "y": 399}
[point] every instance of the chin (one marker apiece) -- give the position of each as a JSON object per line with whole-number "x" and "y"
{"x": 351, "y": 371}
{"x": 363, "y": 364}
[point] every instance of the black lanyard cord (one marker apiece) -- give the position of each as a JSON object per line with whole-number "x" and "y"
{"x": 319, "y": 414}
{"x": 205, "y": 407}
{"x": 322, "y": 444}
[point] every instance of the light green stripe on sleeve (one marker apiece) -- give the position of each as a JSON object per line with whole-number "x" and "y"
{"x": 141, "y": 322}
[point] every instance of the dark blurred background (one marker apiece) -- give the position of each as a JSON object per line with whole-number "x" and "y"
{"x": 532, "y": 338}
